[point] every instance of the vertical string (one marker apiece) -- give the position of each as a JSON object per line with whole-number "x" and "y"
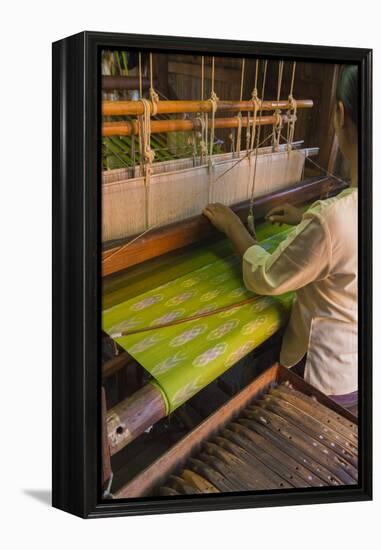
{"x": 291, "y": 111}
{"x": 239, "y": 116}
{"x": 213, "y": 100}
{"x": 140, "y": 76}
{"x": 202, "y": 77}
{"x": 250, "y": 219}
{"x": 256, "y": 105}
{"x": 140, "y": 119}
{"x": 204, "y": 117}
{"x": 152, "y": 93}
{"x": 277, "y": 127}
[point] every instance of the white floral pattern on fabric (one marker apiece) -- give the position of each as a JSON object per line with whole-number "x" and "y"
{"x": 221, "y": 278}
{"x": 240, "y": 352}
{"x": 186, "y": 392}
{"x": 252, "y": 326}
{"x": 228, "y": 312}
{"x": 146, "y": 343}
{"x": 209, "y": 355}
{"x": 180, "y": 298}
{"x": 188, "y": 283}
{"x": 210, "y": 295}
{"x": 188, "y": 335}
{"x": 168, "y": 363}
{"x": 168, "y": 317}
{"x": 128, "y": 324}
{"x": 223, "y": 329}
{"x": 206, "y": 309}
{"x": 146, "y": 302}
{"x": 239, "y": 291}
{"x": 271, "y": 328}
{"x": 260, "y": 305}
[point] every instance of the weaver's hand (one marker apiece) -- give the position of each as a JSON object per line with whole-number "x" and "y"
{"x": 285, "y": 214}
{"x": 222, "y": 217}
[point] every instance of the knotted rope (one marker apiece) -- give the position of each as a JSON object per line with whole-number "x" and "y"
{"x": 239, "y": 115}
{"x": 291, "y": 111}
{"x": 204, "y": 118}
{"x": 148, "y": 153}
{"x": 154, "y": 96}
{"x": 256, "y": 106}
{"x": 250, "y": 218}
{"x": 213, "y": 100}
{"x": 277, "y": 127}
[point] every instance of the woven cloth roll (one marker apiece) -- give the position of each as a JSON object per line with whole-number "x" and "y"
{"x": 185, "y": 357}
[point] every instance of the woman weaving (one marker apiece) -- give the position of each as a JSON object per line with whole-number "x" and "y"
{"x": 318, "y": 260}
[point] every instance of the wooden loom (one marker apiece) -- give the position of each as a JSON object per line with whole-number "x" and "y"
{"x": 138, "y": 229}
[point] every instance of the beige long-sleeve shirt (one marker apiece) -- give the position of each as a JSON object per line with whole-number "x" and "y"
{"x": 318, "y": 260}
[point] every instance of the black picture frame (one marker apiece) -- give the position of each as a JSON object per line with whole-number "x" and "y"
{"x": 76, "y": 275}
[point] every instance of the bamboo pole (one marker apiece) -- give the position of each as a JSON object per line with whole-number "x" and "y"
{"x": 119, "y": 108}
{"x": 128, "y": 128}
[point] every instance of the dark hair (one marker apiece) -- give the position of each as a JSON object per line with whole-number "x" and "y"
{"x": 347, "y": 90}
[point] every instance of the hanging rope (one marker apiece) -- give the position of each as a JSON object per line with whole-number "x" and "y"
{"x": 140, "y": 118}
{"x": 250, "y": 218}
{"x": 239, "y": 115}
{"x": 152, "y": 93}
{"x": 256, "y": 106}
{"x": 140, "y": 76}
{"x": 148, "y": 153}
{"x": 204, "y": 118}
{"x": 213, "y": 100}
{"x": 277, "y": 128}
{"x": 292, "y": 111}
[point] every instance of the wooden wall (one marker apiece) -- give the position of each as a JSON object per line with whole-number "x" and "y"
{"x": 179, "y": 77}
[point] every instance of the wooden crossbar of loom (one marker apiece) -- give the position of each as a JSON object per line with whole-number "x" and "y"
{"x": 118, "y": 108}
{"x": 124, "y": 128}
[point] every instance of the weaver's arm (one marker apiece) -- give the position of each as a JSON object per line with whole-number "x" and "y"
{"x": 304, "y": 256}
{"x": 224, "y": 219}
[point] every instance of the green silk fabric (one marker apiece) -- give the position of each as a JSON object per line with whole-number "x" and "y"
{"x": 185, "y": 357}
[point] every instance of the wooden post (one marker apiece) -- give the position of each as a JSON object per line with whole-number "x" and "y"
{"x": 106, "y": 459}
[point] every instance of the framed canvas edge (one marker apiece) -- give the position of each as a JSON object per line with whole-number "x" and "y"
{"x": 76, "y": 275}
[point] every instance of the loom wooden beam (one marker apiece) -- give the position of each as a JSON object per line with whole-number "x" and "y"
{"x": 176, "y": 457}
{"x": 128, "y": 128}
{"x": 132, "y": 416}
{"x": 198, "y": 228}
{"x": 106, "y": 462}
{"x": 112, "y": 366}
{"x": 134, "y": 108}
{"x": 156, "y": 473}
{"x": 121, "y": 82}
